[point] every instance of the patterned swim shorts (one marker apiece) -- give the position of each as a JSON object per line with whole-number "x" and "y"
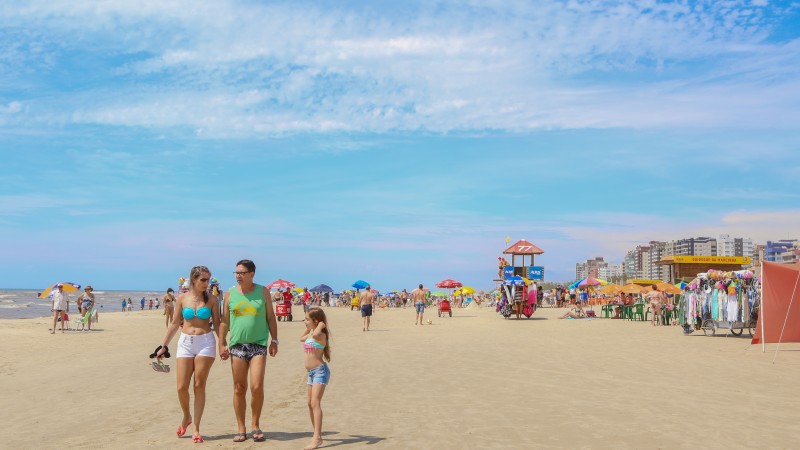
{"x": 247, "y": 351}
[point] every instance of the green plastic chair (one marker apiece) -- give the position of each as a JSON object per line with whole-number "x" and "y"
{"x": 627, "y": 312}
{"x": 637, "y": 311}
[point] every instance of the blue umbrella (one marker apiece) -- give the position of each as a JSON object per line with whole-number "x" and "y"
{"x": 360, "y": 284}
{"x": 321, "y": 288}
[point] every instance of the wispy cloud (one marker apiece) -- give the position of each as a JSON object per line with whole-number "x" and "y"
{"x": 507, "y": 66}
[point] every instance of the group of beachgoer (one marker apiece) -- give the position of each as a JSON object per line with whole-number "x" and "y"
{"x": 85, "y": 304}
{"x": 245, "y": 328}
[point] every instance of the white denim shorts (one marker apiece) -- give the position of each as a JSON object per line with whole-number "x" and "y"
{"x": 190, "y": 346}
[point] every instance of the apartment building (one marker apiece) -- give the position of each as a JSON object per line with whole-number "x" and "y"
{"x": 699, "y": 246}
{"x": 728, "y": 246}
{"x": 775, "y": 249}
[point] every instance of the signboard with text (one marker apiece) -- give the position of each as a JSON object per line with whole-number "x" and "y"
{"x": 711, "y": 259}
{"x": 508, "y": 272}
{"x": 536, "y": 273}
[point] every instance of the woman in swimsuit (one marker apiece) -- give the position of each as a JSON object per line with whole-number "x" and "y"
{"x": 169, "y": 304}
{"x": 86, "y": 304}
{"x": 316, "y": 345}
{"x": 196, "y": 346}
{"x": 655, "y": 297}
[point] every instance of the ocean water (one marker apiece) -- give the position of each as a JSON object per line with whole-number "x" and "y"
{"x": 25, "y": 304}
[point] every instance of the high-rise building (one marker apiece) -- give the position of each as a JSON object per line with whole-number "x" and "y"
{"x": 728, "y": 246}
{"x": 656, "y": 271}
{"x": 614, "y": 273}
{"x": 590, "y": 268}
{"x": 699, "y": 246}
{"x": 774, "y": 250}
{"x": 629, "y": 264}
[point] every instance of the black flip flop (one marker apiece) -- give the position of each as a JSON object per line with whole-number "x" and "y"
{"x": 155, "y": 353}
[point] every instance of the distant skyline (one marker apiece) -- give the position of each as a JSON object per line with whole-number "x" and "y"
{"x": 399, "y": 144}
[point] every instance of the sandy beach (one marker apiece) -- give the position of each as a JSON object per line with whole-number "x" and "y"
{"x": 470, "y": 381}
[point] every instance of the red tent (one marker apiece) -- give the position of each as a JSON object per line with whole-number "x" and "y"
{"x": 779, "y": 316}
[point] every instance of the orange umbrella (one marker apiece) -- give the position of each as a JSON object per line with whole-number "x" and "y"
{"x": 668, "y": 288}
{"x": 631, "y": 289}
{"x": 612, "y": 289}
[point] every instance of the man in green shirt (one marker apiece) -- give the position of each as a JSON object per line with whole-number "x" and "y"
{"x": 247, "y": 313}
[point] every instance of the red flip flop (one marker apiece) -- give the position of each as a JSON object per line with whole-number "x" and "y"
{"x": 198, "y": 439}
{"x": 182, "y": 430}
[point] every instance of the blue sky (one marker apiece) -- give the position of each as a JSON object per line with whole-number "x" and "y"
{"x": 398, "y": 143}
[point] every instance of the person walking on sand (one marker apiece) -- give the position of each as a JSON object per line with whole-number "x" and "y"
{"x": 655, "y": 298}
{"x": 86, "y": 301}
{"x": 419, "y": 303}
{"x": 306, "y": 299}
{"x": 196, "y": 349}
{"x": 367, "y": 299}
{"x": 247, "y": 313}
{"x": 169, "y": 305}
{"x": 317, "y": 347}
{"x": 60, "y": 306}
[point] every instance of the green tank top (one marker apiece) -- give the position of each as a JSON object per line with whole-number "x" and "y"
{"x": 248, "y": 317}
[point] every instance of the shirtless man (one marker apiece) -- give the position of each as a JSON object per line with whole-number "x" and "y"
{"x": 419, "y": 303}
{"x": 366, "y": 306}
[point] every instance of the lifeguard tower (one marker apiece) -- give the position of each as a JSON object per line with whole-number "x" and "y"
{"x": 530, "y": 271}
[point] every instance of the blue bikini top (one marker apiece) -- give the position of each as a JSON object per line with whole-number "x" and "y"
{"x": 203, "y": 313}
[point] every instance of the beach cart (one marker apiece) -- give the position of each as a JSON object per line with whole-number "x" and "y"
{"x": 284, "y": 310}
{"x": 444, "y": 307}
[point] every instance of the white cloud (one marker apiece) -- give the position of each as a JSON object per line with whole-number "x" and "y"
{"x": 245, "y": 69}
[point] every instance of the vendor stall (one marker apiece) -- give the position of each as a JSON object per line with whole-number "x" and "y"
{"x": 720, "y": 300}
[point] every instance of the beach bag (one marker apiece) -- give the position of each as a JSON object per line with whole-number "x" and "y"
{"x": 527, "y": 311}
{"x": 505, "y": 311}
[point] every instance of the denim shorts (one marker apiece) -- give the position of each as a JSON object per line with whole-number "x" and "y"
{"x": 319, "y": 375}
{"x": 420, "y": 307}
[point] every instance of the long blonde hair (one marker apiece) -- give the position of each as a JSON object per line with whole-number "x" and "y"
{"x": 318, "y": 314}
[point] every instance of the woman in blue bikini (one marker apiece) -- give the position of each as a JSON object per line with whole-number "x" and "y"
{"x": 196, "y": 346}
{"x": 316, "y": 345}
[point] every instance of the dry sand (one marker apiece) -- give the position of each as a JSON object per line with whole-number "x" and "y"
{"x": 470, "y": 381}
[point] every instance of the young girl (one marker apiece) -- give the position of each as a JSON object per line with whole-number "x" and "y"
{"x": 316, "y": 344}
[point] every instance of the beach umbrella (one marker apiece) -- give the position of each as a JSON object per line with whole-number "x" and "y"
{"x": 360, "y": 284}
{"x": 448, "y": 284}
{"x": 68, "y": 287}
{"x": 280, "y": 284}
{"x": 467, "y": 290}
{"x": 631, "y": 288}
{"x": 587, "y": 282}
{"x": 321, "y": 288}
{"x": 612, "y": 289}
{"x": 668, "y": 288}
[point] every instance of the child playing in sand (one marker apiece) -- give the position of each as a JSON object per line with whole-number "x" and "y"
{"x": 317, "y": 346}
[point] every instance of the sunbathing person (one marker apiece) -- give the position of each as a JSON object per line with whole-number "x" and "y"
{"x": 575, "y": 312}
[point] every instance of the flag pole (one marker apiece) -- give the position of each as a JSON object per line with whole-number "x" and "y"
{"x": 761, "y": 311}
